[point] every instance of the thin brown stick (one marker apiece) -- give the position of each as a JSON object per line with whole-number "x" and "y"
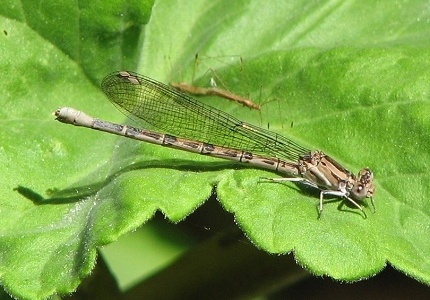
{"x": 215, "y": 91}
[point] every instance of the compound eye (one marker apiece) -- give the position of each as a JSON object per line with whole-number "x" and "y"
{"x": 358, "y": 191}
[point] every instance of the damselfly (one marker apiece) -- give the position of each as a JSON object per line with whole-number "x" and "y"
{"x": 190, "y": 125}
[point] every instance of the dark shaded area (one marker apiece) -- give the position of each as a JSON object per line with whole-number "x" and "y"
{"x": 222, "y": 267}
{"x": 389, "y": 284}
{"x": 100, "y": 285}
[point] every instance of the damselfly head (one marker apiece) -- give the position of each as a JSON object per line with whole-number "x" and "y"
{"x": 363, "y": 186}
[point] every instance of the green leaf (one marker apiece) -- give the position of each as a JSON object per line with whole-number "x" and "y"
{"x": 352, "y": 79}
